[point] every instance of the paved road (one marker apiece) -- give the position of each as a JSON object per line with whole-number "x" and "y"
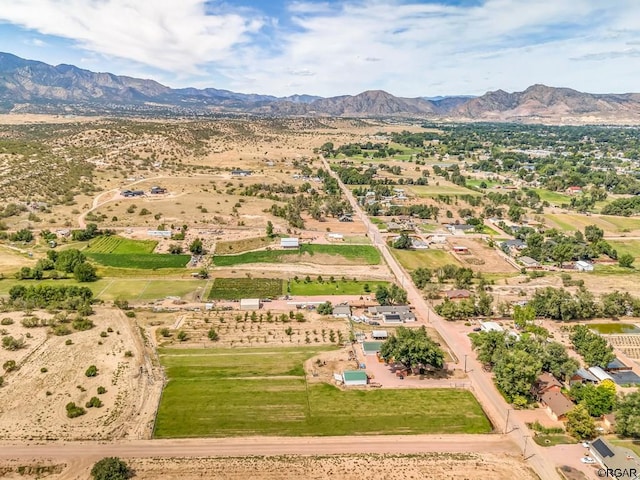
{"x": 494, "y": 405}
{"x": 203, "y": 447}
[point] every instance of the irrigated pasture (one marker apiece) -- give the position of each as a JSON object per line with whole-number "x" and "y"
{"x": 235, "y": 392}
{"x": 237, "y": 288}
{"x": 323, "y": 254}
{"x": 120, "y": 245}
{"x": 125, "y": 253}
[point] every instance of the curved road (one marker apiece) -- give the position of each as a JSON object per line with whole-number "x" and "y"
{"x": 494, "y": 405}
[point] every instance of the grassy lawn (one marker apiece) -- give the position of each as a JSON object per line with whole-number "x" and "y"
{"x": 413, "y": 259}
{"x": 613, "y": 328}
{"x": 356, "y": 254}
{"x": 609, "y": 223}
{"x": 429, "y": 227}
{"x": 263, "y": 392}
{"x": 553, "y": 440}
{"x": 244, "y": 245}
{"x": 338, "y": 287}
{"x": 116, "y": 244}
{"x": 485, "y": 229}
{"x": 447, "y": 189}
{"x": 379, "y": 223}
{"x": 142, "y": 261}
{"x": 633, "y": 445}
{"x": 475, "y": 182}
{"x": 237, "y": 288}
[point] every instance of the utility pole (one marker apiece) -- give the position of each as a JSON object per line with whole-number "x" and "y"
{"x": 465, "y": 364}
{"x": 506, "y": 424}
{"x": 524, "y": 452}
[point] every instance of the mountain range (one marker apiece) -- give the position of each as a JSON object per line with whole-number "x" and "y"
{"x": 32, "y": 86}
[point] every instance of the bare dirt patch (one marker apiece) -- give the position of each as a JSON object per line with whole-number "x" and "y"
{"x": 481, "y": 257}
{"x": 52, "y": 374}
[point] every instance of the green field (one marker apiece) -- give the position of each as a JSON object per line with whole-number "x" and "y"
{"x": 475, "y": 182}
{"x": 236, "y": 246}
{"x": 120, "y": 245}
{"x": 125, "y": 253}
{"x": 610, "y": 224}
{"x": 554, "y": 198}
{"x": 142, "y": 261}
{"x": 627, "y": 246}
{"x": 356, "y": 254}
{"x": 412, "y": 259}
{"x": 435, "y": 190}
{"x": 337, "y": 287}
{"x": 129, "y": 288}
{"x": 237, "y": 288}
{"x": 237, "y": 392}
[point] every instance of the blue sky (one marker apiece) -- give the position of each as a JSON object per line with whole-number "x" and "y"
{"x": 330, "y": 47}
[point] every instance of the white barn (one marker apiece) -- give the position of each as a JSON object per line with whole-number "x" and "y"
{"x": 250, "y": 304}
{"x": 583, "y": 266}
{"x": 289, "y": 243}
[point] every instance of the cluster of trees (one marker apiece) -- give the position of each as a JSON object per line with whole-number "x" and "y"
{"x": 560, "y": 304}
{"x": 595, "y": 350}
{"x": 516, "y": 363}
{"x": 599, "y": 400}
{"x": 89, "y": 232}
{"x": 623, "y": 206}
{"x": 393, "y": 295}
{"x": 473, "y": 306}
{"x": 67, "y": 261}
{"x": 67, "y": 297}
{"x": 413, "y": 348}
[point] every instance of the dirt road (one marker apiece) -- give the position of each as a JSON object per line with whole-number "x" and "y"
{"x": 492, "y": 402}
{"x": 244, "y": 446}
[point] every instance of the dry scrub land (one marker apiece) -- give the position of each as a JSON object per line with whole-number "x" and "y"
{"x": 51, "y": 373}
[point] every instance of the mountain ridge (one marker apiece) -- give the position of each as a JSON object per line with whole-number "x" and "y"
{"x": 30, "y": 85}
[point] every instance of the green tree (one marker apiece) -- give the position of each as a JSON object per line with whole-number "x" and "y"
{"x": 421, "y": 277}
{"x": 110, "y": 468}
{"x": 92, "y": 371}
{"x": 598, "y": 400}
{"x": 489, "y": 345}
{"x": 580, "y": 424}
{"x": 403, "y": 242}
{"x": 85, "y": 272}
{"x": 557, "y": 361}
{"x": 412, "y": 348}
{"x": 382, "y": 295}
{"x": 595, "y": 350}
{"x": 523, "y": 316}
{"x": 593, "y": 233}
{"x": 628, "y": 415}
{"x": 68, "y": 259}
{"x": 269, "y": 229}
{"x": 325, "y": 308}
{"x": 515, "y": 372}
{"x": 563, "y": 252}
{"x": 196, "y": 247}
{"x": 626, "y": 260}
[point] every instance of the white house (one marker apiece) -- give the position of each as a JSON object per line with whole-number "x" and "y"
{"x": 289, "y": 243}
{"x": 583, "y": 266}
{"x": 342, "y": 311}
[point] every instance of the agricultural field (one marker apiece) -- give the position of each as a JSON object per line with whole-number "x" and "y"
{"x": 336, "y": 287}
{"x": 628, "y": 246}
{"x": 120, "y": 245}
{"x": 237, "y": 288}
{"x": 481, "y": 257}
{"x": 554, "y": 198}
{"x": 443, "y": 188}
{"x": 261, "y": 328}
{"x": 322, "y": 254}
{"x": 612, "y": 225}
{"x": 231, "y": 247}
{"x": 125, "y": 253}
{"x": 142, "y": 261}
{"x": 432, "y": 259}
{"x": 241, "y": 392}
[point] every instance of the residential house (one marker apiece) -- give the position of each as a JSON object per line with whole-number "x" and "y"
{"x": 573, "y": 190}
{"x": 459, "y": 229}
{"x": 491, "y": 327}
{"x": 513, "y": 246}
{"x": 458, "y": 294}
{"x": 621, "y": 462}
{"x": 342, "y": 311}
{"x": 249, "y": 304}
{"x": 240, "y": 173}
{"x": 461, "y": 250}
{"x": 379, "y": 334}
{"x": 600, "y": 374}
{"x": 158, "y": 190}
{"x": 528, "y": 262}
{"x": 392, "y": 313}
{"x": 548, "y": 391}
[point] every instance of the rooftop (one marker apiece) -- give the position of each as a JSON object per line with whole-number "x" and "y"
{"x": 354, "y": 375}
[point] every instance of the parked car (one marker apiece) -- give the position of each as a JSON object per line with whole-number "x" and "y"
{"x": 477, "y": 329}
{"x": 585, "y": 444}
{"x": 587, "y": 460}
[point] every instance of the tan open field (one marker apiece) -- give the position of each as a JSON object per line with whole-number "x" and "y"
{"x": 481, "y": 257}
{"x": 128, "y": 405}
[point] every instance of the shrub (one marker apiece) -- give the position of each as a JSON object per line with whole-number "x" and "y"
{"x": 82, "y": 323}
{"x": 102, "y": 390}
{"x": 11, "y": 344}
{"x": 92, "y": 371}
{"x": 44, "y": 370}
{"x": 213, "y": 335}
{"x": 94, "y": 402}
{"x": 68, "y": 342}
{"x": 182, "y": 335}
{"x": 61, "y": 330}
{"x": 74, "y": 410}
{"x": 128, "y": 354}
{"x": 110, "y": 468}
{"x": 6, "y": 321}
{"x": 130, "y": 313}
{"x": 104, "y": 334}
{"x": 165, "y": 332}
{"x": 9, "y": 366}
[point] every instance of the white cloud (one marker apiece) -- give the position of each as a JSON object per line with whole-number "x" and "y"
{"x": 172, "y": 35}
{"x": 407, "y": 47}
